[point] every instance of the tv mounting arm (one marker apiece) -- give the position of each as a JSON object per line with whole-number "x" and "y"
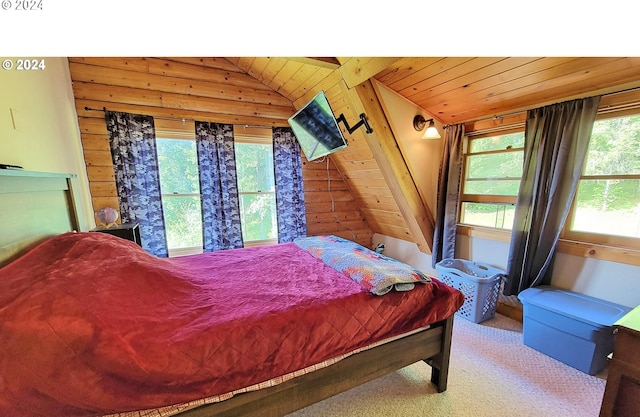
{"x": 363, "y": 121}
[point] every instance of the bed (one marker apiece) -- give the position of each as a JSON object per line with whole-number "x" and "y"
{"x": 92, "y": 325}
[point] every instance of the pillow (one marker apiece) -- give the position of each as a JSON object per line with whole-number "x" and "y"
{"x": 375, "y": 272}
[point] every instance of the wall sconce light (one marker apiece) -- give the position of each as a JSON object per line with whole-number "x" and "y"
{"x": 431, "y": 132}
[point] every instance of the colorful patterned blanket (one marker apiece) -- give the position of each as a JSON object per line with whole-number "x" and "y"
{"x": 375, "y": 272}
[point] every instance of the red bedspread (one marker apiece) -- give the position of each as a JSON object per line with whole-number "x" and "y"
{"x": 91, "y": 324}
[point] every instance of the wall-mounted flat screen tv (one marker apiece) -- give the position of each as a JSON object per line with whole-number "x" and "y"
{"x": 316, "y": 128}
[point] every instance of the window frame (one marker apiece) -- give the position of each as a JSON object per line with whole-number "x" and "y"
{"x": 601, "y": 239}
{"x": 499, "y": 199}
{"x": 178, "y": 130}
{"x": 185, "y": 130}
{"x": 581, "y": 244}
{"x": 259, "y": 136}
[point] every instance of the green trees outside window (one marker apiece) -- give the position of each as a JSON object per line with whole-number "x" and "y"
{"x": 493, "y": 168}
{"x": 256, "y": 185}
{"x": 607, "y": 202}
{"x": 180, "y": 186}
{"x": 608, "y": 198}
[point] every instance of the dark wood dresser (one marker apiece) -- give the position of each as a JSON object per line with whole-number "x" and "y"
{"x": 622, "y": 393}
{"x": 129, "y": 231}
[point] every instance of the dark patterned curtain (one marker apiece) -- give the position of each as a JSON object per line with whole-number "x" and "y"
{"x": 132, "y": 139}
{"x": 449, "y": 180}
{"x": 218, "y": 187}
{"x": 556, "y": 141}
{"x": 292, "y": 221}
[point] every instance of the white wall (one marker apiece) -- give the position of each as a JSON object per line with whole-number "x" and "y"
{"x": 611, "y": 281}
{"x": 39, "y": 127}
{"x": 422, "y": 156}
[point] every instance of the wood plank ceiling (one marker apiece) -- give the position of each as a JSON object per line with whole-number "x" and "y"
{"x": 464, "y": 89}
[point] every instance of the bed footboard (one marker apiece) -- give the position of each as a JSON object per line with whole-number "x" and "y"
{"x": 433, "y": 344}
{"x": 440, "y": 362}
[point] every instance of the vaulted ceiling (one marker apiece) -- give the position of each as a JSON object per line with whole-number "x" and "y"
{"x": 457, "y": 89}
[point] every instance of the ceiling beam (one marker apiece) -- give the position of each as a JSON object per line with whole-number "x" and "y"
{"x": 394, "y": 168}
{"x": 324, "y": 62}
{"x": 358, "y": 69}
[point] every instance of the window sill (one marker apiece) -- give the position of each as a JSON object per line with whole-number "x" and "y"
{"x": 265, "y": 242}
{"x": 583, "y": 249}
{"x": 602, "y": 252}
{"x": 184, "y": 251}
{"x": 501, "y": 235}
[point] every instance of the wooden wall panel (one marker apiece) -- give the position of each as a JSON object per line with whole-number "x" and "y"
{"x": 171, "y": 113}
{"x": 98, "y": 158}
{"x": 206, "y": 89}
{"x": 363, "y": 175}
{"x": 104, "y": 188}
{"x": 360, "y": 171}
{"x": 210, "y": 62}
{"x": 331, "y": 207}
{"x": 95, "y": 142}
{"x": 101, "y": 173}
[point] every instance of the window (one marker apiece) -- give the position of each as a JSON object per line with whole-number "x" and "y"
{"x": 256, "y": 186}
{"x": 180, "y": 186}
{"x": 492, "y": 172}
{"x": 606, "y": 209}
{"x": 604, "y": 221}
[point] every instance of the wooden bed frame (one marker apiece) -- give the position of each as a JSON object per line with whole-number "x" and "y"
{"x": 35, "y": 206}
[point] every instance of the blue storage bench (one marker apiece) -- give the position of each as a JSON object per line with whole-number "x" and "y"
{"x": 573, "y": 328}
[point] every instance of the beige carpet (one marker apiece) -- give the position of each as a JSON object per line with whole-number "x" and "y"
{"x": 492, "y": 374}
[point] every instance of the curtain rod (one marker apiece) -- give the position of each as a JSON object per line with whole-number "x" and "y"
{"x": 490, "y": 118}
{"x": 183, "y": 120}
{"x": 524, "y": 111}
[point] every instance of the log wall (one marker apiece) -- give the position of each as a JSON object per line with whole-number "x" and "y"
{"x": 204, "y": 89}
